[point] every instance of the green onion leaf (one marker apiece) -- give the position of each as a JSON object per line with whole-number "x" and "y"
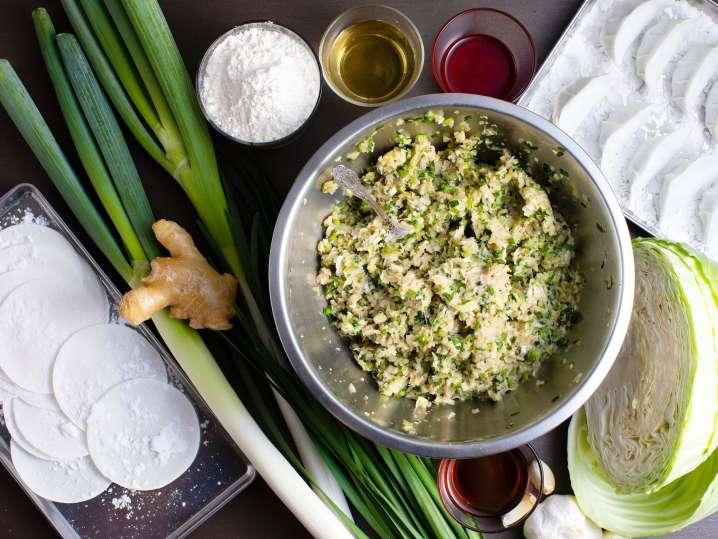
{"x": 111, "y": 84}
{"x": 27, "y": 118}
{"x": 82, "y": 137}
{"x": 109, "y": 138}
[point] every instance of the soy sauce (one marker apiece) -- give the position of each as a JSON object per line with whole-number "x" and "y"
{"x": 488, "y": 486}
{"x": 479, "y": 64}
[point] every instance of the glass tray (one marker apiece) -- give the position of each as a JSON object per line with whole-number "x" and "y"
{"x": 218, "y": 473}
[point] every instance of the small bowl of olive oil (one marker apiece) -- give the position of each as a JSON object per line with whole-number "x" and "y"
{"x": 371, "y": 55}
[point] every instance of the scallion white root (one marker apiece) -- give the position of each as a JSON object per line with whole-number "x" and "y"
{"x": 198, "y": 364}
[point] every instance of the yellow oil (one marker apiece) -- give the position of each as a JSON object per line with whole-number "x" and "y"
{"x": 371, "y": 61}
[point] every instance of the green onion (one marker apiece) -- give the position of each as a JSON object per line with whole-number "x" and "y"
{"x": 111, "y": 44}
{"x": 112, "y": 85}
{"x": 132, "y": 54}
{"x": 188, "y": 146}
{"x": 82, "y": 137}
{"x": 110, "y": 141}
{"x": 186, "y": 345}
{"x": 23, "y": 112}
{"x": 201, "y": 182}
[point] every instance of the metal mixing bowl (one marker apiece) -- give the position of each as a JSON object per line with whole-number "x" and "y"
{"x": 472, "y": 428}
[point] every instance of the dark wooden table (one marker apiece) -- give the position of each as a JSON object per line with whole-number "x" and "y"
{"x": 255, "y": 513}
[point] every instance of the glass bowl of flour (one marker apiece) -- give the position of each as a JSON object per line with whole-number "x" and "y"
{"x": 259, "y": 84}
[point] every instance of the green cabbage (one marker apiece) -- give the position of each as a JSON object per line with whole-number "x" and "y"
{"x": 642, "y": 456}
{"x": 680, "y": 503}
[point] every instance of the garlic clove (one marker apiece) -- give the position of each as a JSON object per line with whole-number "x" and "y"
{"x": 549, "y": 481}
{"x": 518, "y": 513}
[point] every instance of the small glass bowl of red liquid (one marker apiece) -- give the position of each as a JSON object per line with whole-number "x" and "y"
{"x": 484, "y": 51}
{"x": 493, "y": 493}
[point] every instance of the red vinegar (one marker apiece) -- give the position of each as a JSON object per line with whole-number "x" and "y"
{"x": 479, "y": 64}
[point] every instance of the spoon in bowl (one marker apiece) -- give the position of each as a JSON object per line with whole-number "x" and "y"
{"x": 348, "y": 179}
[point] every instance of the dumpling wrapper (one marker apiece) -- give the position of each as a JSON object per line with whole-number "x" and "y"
{"x": 143, "y": 434}
{"x": 619, "y": 35}
{"x": 577, "y": 105}
{"x": 35, "y": 319}
{"x": 65, "y": 482}
{"x": 708, "y": 211}
{"x": 15, "y": 433}
{"x": 49, "y": 431}
{"x": 39, "y": 251}
{"x": 652, "y": 157}
{"x": 5, "y": 395}
{"x": 616, "y": 133}
{"x": 96, "y": 359}
{"x": 41, "y": 400}
{"x": 660, "y": 43}
{"x": 12, "y": 279}
{"x": 32, "y": 234}
{"x": 679, "y": 194}
{"x": 691, "y": 76}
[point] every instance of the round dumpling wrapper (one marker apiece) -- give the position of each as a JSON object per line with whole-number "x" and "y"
{"x": 12, "y": 279}
{"x": 143, "y": 434}
{"x": 15, "y": 433}
{"x": 50, "y": 431}
{"x": 30, "y": 234}
{"x": 35, "y": 319}
{"x": 96, "y": 359}
{"x": 41, "y": 400}
{"x": 39, "y": 251}
{"x": 65, "y": 482}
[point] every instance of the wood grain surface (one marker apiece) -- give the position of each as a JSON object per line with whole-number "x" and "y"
{"x": 256, "y": 512}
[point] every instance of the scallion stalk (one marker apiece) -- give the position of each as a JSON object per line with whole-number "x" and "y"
{"x": 395, "y": 493}
{"x": 110, "y": 140}
{"x": 113, "y": 86}
{"x": 185, "y": 137}
{"x": 87, "y": 149}
{"x": 186, "y": 345}
{"x": 28, "y": 120}
{"x": 282, "y": 478}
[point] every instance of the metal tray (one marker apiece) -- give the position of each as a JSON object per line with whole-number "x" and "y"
{"x": 558, "y": 49}
{"x": 218, "y": 473}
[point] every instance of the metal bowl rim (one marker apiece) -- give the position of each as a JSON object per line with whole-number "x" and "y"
{"x": 425, "y": 446}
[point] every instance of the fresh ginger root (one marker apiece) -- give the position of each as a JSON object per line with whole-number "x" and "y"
{"x": 185, "y": 282}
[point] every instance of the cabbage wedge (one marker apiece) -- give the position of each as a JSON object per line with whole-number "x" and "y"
{"x": 654, "y": 417}
{"x": 642, "y": 454}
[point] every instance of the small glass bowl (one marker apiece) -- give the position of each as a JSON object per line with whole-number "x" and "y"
{"x": 492, "y": 523}
{"x": 371, "y": 12}
{"x": 201, "y": 71}
{"x": 493, "y": 23}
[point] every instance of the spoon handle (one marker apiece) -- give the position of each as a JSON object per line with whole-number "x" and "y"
{"x": 349, "y": 180}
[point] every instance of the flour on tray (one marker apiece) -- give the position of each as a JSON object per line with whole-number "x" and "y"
{"x": 645, "y": 126}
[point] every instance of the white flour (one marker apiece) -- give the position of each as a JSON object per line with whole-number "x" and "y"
{"x": 261, "y": 83}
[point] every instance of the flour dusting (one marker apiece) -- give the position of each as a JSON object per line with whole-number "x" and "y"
{"x": 625, "y": 128}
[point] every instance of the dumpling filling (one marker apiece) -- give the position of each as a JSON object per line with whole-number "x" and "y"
{"x": 472, "y": 301}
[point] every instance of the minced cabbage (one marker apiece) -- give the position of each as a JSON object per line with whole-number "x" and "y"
{"x": 470, "y": 303}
